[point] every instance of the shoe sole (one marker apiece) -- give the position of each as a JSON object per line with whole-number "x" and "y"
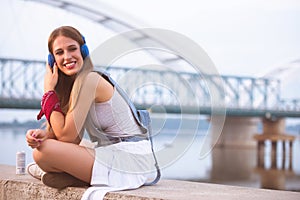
{"x": 61, "y": 180}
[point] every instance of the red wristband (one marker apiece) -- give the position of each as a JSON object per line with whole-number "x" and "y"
{"x": 49, "y": 103}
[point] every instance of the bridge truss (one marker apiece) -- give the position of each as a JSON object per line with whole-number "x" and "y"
{"x": 22, "y": 87}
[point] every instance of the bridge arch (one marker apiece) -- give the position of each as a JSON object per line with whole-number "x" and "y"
{"x": 119, "y": 22}
{"x": 288, "y": 75}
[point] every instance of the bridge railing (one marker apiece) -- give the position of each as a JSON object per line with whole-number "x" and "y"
{"x": 290, "y": 104}
{"x": 22, "y": 87}
{"x": 240, "y": 92}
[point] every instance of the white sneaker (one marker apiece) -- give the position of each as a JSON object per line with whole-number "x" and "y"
{"x": 34, "y": 170}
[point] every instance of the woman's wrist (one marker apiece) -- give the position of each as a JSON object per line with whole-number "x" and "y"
{"x": 49, "y": 103}
{"x": 48, "y": 89}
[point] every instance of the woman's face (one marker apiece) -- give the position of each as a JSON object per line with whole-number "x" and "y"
{"x": 67, "y": 55}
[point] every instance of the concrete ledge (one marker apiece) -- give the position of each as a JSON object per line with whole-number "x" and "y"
{"x": 25, "y": 187}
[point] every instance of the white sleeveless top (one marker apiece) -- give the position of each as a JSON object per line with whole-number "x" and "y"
{"x": 112, "y": 118}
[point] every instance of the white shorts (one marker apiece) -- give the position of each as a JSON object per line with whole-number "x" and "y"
{"x": 125, "y": 164}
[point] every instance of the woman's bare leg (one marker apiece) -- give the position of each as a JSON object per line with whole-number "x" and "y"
{"x": 57, "y": 156}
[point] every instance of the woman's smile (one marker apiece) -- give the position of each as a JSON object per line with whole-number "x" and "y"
{"x": 70, "y": 65}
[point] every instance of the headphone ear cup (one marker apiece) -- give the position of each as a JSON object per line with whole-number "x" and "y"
{"x": 84, "y": 51}
{"x": 51, "y": 60}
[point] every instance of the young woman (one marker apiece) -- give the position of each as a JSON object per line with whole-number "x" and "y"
{"x": 77, "y": 99}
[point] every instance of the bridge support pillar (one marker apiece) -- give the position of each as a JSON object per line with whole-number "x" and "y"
{"x": 237, "y": 132}
{"x": 232, "y": 147}
{"x": 273, "y": 175}
{"x": 274, "y": 133}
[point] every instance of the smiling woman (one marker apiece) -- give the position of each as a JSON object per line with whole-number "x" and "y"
{"x": 77, "y": 99}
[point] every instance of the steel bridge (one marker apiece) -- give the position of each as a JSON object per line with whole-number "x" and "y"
{"x": 22, "y": 87}
{"x": 168, "y": 91}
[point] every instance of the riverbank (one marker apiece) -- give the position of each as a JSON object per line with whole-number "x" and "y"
{"x": 14, "y": 187}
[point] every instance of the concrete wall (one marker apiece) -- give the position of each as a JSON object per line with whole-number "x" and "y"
{"x": 24, "y": 187}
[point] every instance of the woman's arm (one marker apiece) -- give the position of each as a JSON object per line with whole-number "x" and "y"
{"x": 67, "y": 128}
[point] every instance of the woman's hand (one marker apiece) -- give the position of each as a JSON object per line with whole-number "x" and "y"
{"x": 35, "y": 137}
{"x": 51, "y": 77}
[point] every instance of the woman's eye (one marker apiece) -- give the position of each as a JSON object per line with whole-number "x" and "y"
{"x": 73, "y": 48}
{"x": 58, "y": 53}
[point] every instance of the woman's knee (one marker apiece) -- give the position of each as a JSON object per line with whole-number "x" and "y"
{"x": 45, "y": 150}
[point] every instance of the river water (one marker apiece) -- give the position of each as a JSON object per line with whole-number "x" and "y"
{"x": 231, "y": 166}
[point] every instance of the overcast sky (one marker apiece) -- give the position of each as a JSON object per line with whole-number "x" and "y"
{"x": 242, "y": 37}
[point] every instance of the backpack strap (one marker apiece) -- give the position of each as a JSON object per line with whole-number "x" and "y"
{"x": 145, "y": 114}
{"x": 141, "y": 116}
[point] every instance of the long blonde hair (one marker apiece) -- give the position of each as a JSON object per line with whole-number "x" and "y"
{"x": 68, "y": 87}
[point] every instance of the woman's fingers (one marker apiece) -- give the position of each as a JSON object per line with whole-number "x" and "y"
{"x": 32, "y": 138}
{"x": 40, "y": 135}
{"x": 55, "y": 69}
{"x": 51, "y": 77}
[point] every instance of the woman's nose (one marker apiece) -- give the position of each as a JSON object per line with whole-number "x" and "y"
{"x": 67, "y": 55}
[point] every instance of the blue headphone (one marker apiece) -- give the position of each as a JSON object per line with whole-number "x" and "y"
{"x": 83, "y": 49}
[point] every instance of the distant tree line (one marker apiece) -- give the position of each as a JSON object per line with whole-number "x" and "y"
{"x": 26, "y": 124}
